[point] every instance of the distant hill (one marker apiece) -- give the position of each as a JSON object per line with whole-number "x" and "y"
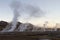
{"x": 28, "y": 26}
{"x": 4, "y": 24}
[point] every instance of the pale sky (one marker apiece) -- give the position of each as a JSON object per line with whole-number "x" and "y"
{"x": 50, "y": 7}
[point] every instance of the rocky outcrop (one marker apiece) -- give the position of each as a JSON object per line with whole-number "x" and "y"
{"x": 3, "y": 24}
{"x": 27, "y": 27}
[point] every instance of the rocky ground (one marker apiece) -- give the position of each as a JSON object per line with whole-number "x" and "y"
{"x": 29, "y": 35}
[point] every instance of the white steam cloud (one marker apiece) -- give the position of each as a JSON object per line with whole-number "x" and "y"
{"x": 19, "y": 8}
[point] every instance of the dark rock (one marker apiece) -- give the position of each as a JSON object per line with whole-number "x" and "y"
{"x": 3, "y": 24}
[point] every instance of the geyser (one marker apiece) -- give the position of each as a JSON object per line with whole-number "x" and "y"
{"x": 17, "y": 8}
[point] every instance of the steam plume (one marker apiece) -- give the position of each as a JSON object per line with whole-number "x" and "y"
{"x": 32, "y": 11}
{"x": 15, "y": 6}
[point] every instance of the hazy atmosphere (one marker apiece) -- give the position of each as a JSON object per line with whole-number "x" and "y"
{"x": 49, "y": 11}
{"x": 30, "y": 19}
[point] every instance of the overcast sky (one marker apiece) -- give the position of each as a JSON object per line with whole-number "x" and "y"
{"x": 50, "y": 7}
